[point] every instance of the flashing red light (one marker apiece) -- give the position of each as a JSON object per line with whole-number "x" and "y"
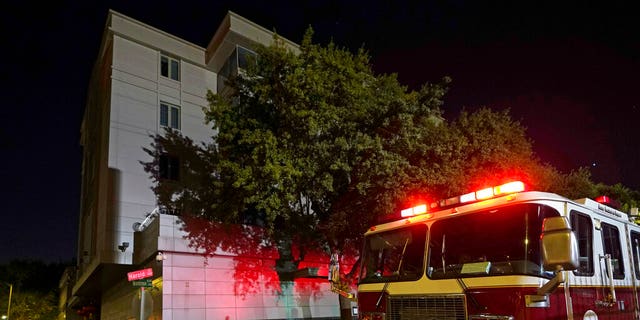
{"x": 410, "y": 212}
{"x": 469, "y": 197}
{"x": 511, "y": 187}
{"x": 450, "y": 202}
{"x": 484, "y": 194}
{"x": 420, "y": 209}
{"x": 487, "y": 193}
{"x": 406, "y": 212}
{"x": 608, "y": 201}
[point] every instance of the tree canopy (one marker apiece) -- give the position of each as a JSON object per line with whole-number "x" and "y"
{"x": 34, "y": 286}
{"x": 314, "y": 145}
{"x": 306, "y": 138}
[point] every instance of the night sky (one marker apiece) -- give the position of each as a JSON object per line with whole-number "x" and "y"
{"x": 569, "y": 72}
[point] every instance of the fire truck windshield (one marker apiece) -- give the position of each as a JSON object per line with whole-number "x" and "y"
{"x": 396, "y": 255}
{"x": 499, "y": 241}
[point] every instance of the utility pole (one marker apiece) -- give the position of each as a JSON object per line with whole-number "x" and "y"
{"x": 8, "y": 316}
{"x": 9, "y": 304}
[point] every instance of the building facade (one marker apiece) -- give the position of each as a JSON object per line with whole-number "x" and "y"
{"x": 144, "y": 80}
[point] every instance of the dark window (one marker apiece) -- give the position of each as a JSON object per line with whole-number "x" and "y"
{"x": 164, "y": 66}
{"x": 169, "y": 115}
{"x": 635, "y": 244}
{"x": 611, "y": 244}
{"x": 170, "y": 68}
{"x": 169, "y": 167}
{"x": 245, "y": 57}
{"x": 238, "y": 62}
{"x": 164, "y": 115}
{"x": 583, "y": 229}
{"x": 175, "y": 70}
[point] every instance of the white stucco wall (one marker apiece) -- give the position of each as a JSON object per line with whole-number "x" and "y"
{"x": 222, "y": 287}
{"x": 137, "y": 90}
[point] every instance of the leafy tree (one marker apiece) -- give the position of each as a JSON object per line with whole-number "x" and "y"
{"x": 306, "y": 138}
{"x": 35, "y": 287}
{"x": 32, "y": 305}
{"x": 312, "y": 148}
{"x": 625, "y": 197}
{"x": 574, "y": 185}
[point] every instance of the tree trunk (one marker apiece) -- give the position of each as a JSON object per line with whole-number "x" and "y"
{"x": 286, "y": 265}
{"x": 345, "y": 308}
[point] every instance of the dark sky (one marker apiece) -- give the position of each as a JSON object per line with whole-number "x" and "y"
{"x": 569, "y": 72}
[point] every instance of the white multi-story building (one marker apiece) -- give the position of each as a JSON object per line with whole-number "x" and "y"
{"x": 143, "y": 80}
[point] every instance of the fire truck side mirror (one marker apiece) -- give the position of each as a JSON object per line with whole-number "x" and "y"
{"x": 559, "y": 245}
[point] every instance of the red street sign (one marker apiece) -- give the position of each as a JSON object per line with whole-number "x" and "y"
{"x": 140, "y": 274}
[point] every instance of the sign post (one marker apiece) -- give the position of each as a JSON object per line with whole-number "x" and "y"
{"x": 141, "y": 303}
{"x": 139, "y": 278}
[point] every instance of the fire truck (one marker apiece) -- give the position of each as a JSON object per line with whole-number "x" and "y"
{"x": 502, "y": 253}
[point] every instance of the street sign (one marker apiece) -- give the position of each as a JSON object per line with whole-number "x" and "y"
{"x": 142, "y": 283}
{"x": 140, "y": 274}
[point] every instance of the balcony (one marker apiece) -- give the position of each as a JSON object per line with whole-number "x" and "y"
{"x": 235, "y": 65}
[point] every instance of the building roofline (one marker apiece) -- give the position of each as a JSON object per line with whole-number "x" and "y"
{"x": 142, "y": 24}
{"x": 225, "y": 27}
{"x": 230, "y": 23}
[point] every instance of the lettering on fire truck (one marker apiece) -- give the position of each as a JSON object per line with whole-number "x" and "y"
{"x": 502, "y": 253}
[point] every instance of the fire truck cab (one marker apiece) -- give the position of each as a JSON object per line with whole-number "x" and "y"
{"x": 502, "y": 253}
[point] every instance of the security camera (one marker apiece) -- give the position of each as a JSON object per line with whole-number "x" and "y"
{"x": 160, "y": 256}
{"x": 140, "y": 226}
{"x": 123, "y": 246}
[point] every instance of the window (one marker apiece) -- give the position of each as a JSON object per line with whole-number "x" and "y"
{"x": 238, "y": 62}
{"x": 494, "y": 242}
{"x": 635, "y": 244}
{"x": 169, "y": 115}
{"x": 583, "y": 229}
{"x": 245, "y": 57}
{"x": 611, "y": 244}
{"x": 170, "y": 68}
{"x": 396, "y": 255}
{"x": 169, "y": 167}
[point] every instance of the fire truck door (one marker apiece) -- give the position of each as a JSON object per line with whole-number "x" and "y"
{"x": 616, "y": 267}
{"x": 633, "y": 244}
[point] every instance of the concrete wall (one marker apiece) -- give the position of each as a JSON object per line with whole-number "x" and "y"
{"x": 137, "y": 90}
{"x": 228, "y": 286}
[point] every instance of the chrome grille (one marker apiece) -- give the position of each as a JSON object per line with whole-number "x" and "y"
{"x": 431, "y": 307}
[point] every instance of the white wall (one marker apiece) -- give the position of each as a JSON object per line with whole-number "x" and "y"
{"x": 137, "y": 89}
{"x": 222, "y": 287}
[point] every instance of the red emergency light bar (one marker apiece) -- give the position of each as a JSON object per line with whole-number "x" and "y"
{"x": 414, "y": 211}
{"x": 487, "y": 193}
{"x": 608, "y": 201}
